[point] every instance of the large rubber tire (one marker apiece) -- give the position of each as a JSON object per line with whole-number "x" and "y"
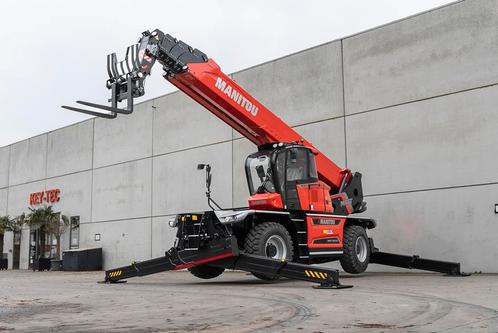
{"x": 206, "y": 271}
{"x": 356, "y": 256}
{"x": 257, "y": 238}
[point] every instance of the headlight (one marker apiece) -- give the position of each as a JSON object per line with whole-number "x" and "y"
{"x": 173, "y": 222}
{"x": 231, "y": 216}
{"x": 227, "y": 219}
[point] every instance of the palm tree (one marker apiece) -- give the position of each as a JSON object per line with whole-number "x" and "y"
{"x": 4, "y": 224}
{"x": 11, "y": 224}
{"x": 48, "y": 222}
{"x": 37, "y": 220}
{"x": 57, "y": 227}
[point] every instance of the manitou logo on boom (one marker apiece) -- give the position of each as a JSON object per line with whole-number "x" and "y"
{"x": 236, "y": 96}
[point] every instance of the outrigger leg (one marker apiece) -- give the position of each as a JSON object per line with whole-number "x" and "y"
{"x": 225, "y": 253}
{"x": 414, "y": 262}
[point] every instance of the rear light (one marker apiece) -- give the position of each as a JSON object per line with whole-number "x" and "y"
{"x": 259, "y": 202}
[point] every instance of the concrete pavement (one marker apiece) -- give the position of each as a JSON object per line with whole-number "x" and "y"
{"x": 237, "y": 302}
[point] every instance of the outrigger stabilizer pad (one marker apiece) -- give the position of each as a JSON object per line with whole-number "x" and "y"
{"x": 325, "y": 285}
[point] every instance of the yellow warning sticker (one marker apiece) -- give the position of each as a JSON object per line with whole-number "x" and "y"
{"x": 115, "y": 273}
{"x": 315, "y": 274}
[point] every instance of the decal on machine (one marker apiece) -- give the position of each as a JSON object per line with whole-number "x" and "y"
{"x": 236, "y": 96}
{"x": 324, "y": 221}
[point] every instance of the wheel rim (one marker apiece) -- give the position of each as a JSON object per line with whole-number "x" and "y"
{"x": 275, "y": 247}
{"x": 361, "y": 249}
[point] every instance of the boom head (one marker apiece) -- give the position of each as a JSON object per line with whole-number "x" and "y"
{"x": 127, "y": 77}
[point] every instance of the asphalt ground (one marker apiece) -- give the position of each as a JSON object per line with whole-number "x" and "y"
{"x": 237, "y": 302}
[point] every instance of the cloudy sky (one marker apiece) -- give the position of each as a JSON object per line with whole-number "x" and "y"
{"x": 53, "y": 51}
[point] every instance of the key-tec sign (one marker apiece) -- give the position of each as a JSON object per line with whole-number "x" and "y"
{"x": 48, "y": 196}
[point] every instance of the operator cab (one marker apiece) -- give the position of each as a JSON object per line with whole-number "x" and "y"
{"x": 284, "y": 176}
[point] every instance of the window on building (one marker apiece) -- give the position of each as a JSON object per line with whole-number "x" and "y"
{"x": 74, "y": 232}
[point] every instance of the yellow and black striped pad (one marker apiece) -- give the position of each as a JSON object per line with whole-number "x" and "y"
{"x": 115, "y": 274}
{"x": 316, "y": 274}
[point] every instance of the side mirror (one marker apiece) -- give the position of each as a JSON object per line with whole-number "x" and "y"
{"x": 209, "y": 178}
{"x": 261, "y": 172}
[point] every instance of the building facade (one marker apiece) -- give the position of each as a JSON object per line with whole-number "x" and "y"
{"x": 412, "y": 105}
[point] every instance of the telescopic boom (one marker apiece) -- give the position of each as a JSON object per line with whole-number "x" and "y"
{"x": 191, "y": 71}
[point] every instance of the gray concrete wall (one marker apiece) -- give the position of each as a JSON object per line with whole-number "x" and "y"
{"x": 28, "y": 160}
{"x": 420, "y": 101}
{"x": 115, "y": 199}
{"x": 411, "y": 105}
{"x": 124, "y": 139}
{"x": 3, "y": 211}
{"x": 70, "y": 149}
{"x": 440, "y": 52}
{"x": 313, "y": 84}
{"x": 4, "y": 166}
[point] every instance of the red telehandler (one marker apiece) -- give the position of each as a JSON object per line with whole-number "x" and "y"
{"x": 302, "y": 206}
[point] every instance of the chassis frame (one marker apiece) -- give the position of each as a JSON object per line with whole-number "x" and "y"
{"x": 202, "y": 239}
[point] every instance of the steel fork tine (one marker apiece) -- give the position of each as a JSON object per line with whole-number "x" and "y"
{"x": 91, "y": 113}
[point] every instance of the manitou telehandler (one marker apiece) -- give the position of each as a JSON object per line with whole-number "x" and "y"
{"x": 302, "y": 206}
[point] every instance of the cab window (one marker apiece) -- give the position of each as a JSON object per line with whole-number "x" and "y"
{"x": 297, "y": 164}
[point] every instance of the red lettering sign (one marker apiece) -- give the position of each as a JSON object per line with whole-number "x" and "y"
{"x": 48, "y": 196}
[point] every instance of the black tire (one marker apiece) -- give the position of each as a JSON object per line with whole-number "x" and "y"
{"x": 256, "y": 239}
{"x": 350, "y": 260}
{"x": 206, "y": 271}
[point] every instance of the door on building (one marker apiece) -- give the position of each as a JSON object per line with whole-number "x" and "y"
{"x": 33, "y": 247}
{"x": 41, "y": 245}
{"x": 16, "y": 254}
{"x": 1, "y": 245}
{"x": 3, "y": 256}
{"x": 74, "y": 232}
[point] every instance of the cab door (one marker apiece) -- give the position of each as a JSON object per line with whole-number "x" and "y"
{"x": 295, "y": 169}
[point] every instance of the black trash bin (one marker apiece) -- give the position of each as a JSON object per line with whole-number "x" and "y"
{"x": 4, "y": 262}
{"x": 88, "y": 259}
{"x": 41, "y": 264}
